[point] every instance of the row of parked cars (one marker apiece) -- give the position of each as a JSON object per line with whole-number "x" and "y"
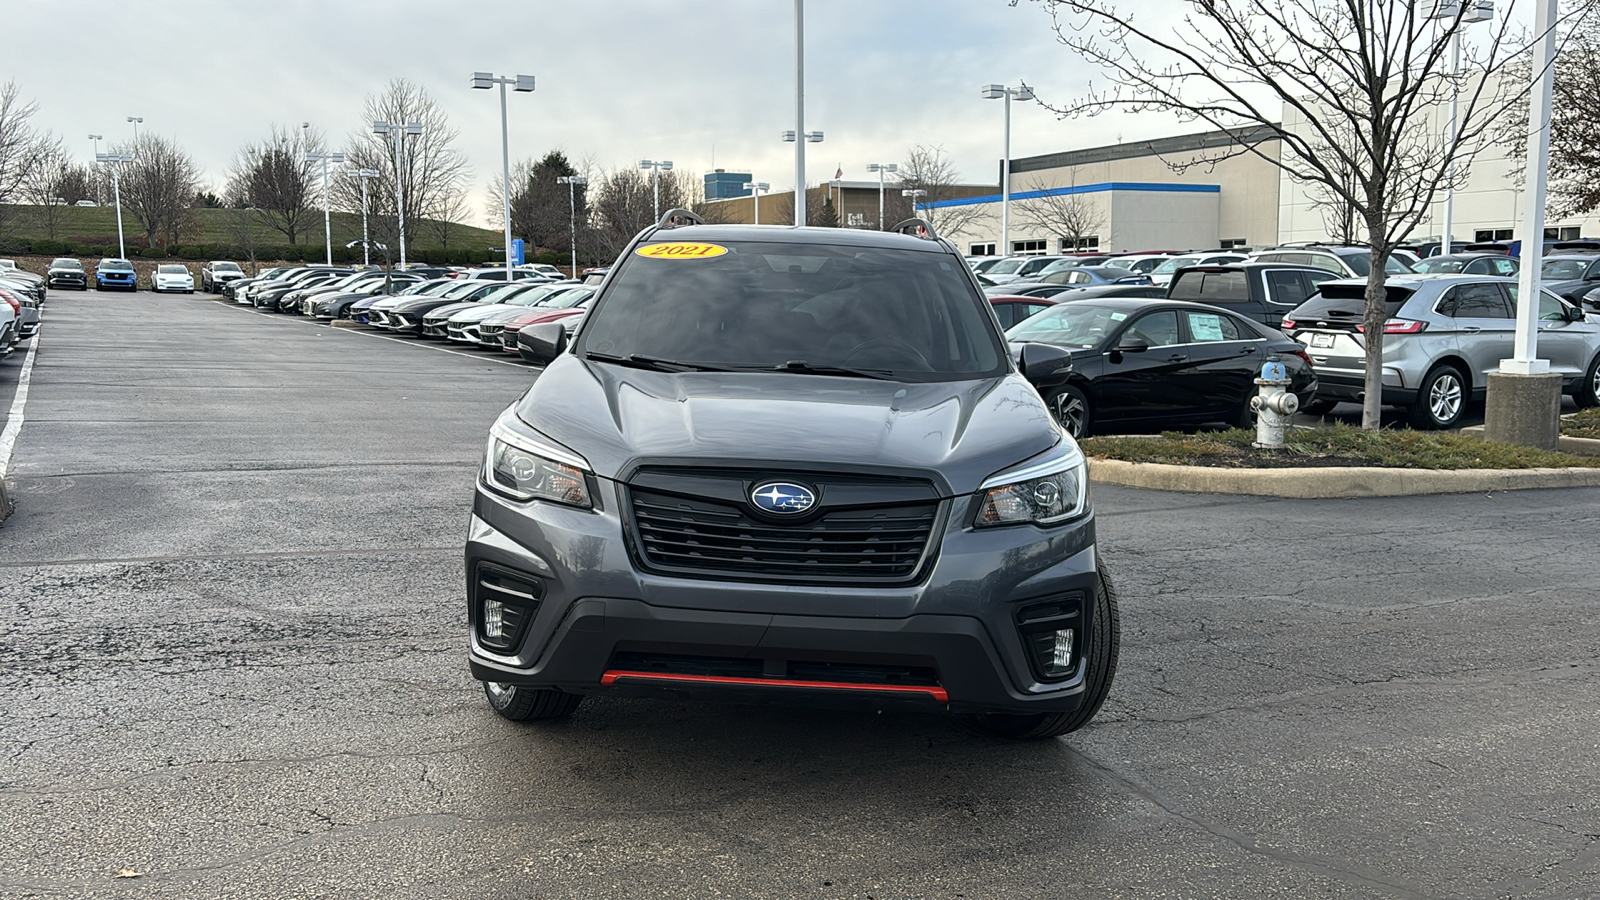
{"x": 483, "y": 309}
{"x": 22, "y": 295}
{"x": 1452, "y": 319}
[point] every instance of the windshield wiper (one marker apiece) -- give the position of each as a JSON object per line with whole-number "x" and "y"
{"x": 654, "y": 363}
{"x": 802, "y": 367}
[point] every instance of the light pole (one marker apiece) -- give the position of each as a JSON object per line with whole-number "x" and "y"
{"x": 522, "y": 84}
{"x": 97, "y": 138}
{"x": 327, "y": 226}
{"x": 1451, "y": 11}
{"x": 362, "y": 175}
{"x": 755, "y": 188}
{"x": 116, "y": 192}
{"x": 881, "y": 168}
{"x": 995, "y": 92}
{"x": 136, "y": 120}
{"x": 572, "y": 182}
{"x": 400, "y": 130}
{"x": 656, "y": 167}
{"x": 913, "y": 193}
{"x": 814, "y": 137}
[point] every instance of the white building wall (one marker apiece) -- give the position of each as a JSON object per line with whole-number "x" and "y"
{"x": 1164, "y": 220}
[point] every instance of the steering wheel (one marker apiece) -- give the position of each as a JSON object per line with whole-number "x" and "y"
{"x": 895, "y": 346}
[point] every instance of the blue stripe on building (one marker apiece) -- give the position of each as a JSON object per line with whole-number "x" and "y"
{"x": 1085, "y": 189}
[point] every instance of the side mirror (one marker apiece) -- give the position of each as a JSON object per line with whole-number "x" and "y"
{"x": 1574, "y": 312}
{"x": 542, "y": 342}
{"x": 1133, "y": 345}
{"x": 1044, "y": 363}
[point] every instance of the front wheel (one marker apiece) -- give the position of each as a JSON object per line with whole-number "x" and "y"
{"x": 520, "y": 703}
{"x": 1104, "y": 645}
{"x": 1441, "y": 399}
{"x": 1587, "y": 395}
{"x": 1069, "y": 406}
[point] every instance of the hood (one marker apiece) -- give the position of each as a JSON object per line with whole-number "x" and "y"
{"x": 963, "y": 431}
{"x": 475, "y": 312}
{"x": 412, "y": 305}
{"x": 453, "y": 307}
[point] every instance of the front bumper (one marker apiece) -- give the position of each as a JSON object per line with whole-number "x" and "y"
{"x": 599, "y": 616}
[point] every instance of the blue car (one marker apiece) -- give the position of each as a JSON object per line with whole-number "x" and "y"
{"x": 115, "y": 274}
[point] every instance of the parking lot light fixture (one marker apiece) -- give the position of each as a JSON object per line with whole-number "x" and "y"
{"x": 572, "y": 182}
{"x": 114, "y": 160}
{"x": 755, "y": 188}
{"x": 136, "y": 120}
{"x": 913, "y": 193}
{"x": 996, "y": 92}
{"x": 399, "y": 130}
{"x": 1452, "y": 11}
{"x": 327, "y": 226}
{"x": 881, "y": 168}
{"x": 482, "y": 81}
{"x": 656, "y": 167}
{"x": 366, "y": 244}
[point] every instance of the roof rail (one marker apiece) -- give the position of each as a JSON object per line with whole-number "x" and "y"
{"x": 921, "y": 228}
{"x": 674, "y": 218}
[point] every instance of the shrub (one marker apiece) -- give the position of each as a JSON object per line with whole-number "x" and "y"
{"x": 153, "y": 253}
{"x": 192, "y": 252}
{"x": 47, "y": 247}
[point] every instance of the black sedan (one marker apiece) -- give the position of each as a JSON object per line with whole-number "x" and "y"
{"x": 1142, "y": 364}
{"x": 67, "y": 272}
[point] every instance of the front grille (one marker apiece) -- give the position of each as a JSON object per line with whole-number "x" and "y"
{"x": 878, "y": 544}
{"x": 848, "y": 673}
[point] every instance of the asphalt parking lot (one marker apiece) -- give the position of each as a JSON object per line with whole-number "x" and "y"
{"x": 232, "y": 660}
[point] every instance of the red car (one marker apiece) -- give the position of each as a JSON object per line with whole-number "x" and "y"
{"x": 536, "y": 314}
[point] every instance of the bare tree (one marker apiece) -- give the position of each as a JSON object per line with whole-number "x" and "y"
{"x": 77, "y": 183}
{"x": 781, "y": 207}
{"x": 624, "y": 204}
{"x": 1341, "y": 85}
{"x": 430, "y": 167}
{"x": 1574, "y": 187}
{"x": 242, "y": 219}
{"x": 20, "y": 146}
{"x": 445, "y": 218}
{"x": 1068, "y": 215}
{"x": 275, "y": 177}
{"x": 927, "y": 169}
{"x": 158, "y": 186}
{"x": 47, "y": 185}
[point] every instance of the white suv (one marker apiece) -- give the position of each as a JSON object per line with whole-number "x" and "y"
{"x": 1350, "y": 262}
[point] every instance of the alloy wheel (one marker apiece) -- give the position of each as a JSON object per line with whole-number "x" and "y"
{"x": 1068, "y": 408}
{"x": 1444, "y": 397}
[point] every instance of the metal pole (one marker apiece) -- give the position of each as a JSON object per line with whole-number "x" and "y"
{"x": 1005, "y": 186}
{"x": 572, "y": 205}
{"x": 1524, "y": 359}
{"x": 880, "y": 198}
{"x": 655, "y": 188}
{"x": 366, "y": 244}
{"x": 505, "y": 172}
{"x": 1450, "y": 157}
{"x": 327, "y": 227}
{"x": 755, "y": 193}
{"x": 799, "y": 113}
{"x": 116, "y": 192}
{"x": 399, "y": 192}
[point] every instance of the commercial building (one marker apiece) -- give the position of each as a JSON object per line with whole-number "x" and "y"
{"x": 855, "y": 203}
{"x": 722, "y": 184}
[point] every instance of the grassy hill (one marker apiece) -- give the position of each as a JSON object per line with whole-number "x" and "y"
{"x": 89, "y": 231}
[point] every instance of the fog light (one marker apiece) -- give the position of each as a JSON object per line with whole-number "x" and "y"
{"x": 1052, "y": 651}
{"x": 494, "y": 622}
{"x": 507, "y": 602}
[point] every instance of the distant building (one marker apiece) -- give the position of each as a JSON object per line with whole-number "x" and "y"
{"x": 854, "y": 202}
{"x": 724, "y": 185}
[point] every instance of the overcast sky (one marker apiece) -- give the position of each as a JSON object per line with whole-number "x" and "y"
{"x": 705, "y": 83}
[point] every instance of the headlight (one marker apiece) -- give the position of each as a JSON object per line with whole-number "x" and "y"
{"x": 518, "y": 467}
{"x": 1043, "y": 494}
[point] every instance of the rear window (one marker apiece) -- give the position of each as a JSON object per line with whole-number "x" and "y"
{"x": 1348, "y": 301}
{"x": 1210, "y": 287}
{"x": 172, "y": 270}
{"x": 908, "y": 314}
{"x": 1563, "y": 269}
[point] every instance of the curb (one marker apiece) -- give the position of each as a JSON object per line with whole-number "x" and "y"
{"x": 1333, "y": 483}
{"x": 344, "y": 323}
{"x": 6, "y": 506}
{"x": 1575, "y": 445}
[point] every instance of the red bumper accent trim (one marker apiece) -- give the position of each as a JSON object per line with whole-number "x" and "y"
{"x": 934, "y": 691}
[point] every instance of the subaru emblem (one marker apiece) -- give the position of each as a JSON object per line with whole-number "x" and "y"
{"x": 782, "y": 498}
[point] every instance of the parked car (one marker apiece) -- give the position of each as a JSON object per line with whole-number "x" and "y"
{"x": 1444, "y": 335}
{"x": 10, "y": 311}
{"x": 235, "y": 290}
{"x": 1468, "y": 264}
{"x": 499, "y": 331}
{"x": 1086, "y": 276}
{"x": 461, "y": 321}
{"x": 337, "y": 304}
{"x": 1162, "y": 273}
{"x": 404, "y": 314}
{"x": 27, "y": 312}
{"x": 1139, "y": 364}
{"x": 1139, "y": 263}
{"x": 1258, "y": 290}
{"x": 1013, "y": 309}
{"x": 1072, "y": 261}
{"x": 115, "y": 274}
{"x": 172, "y": 277}
{"x": 1571, "y": 275}
{"x": 218, "y": 272}
{"x": 982, "y": 264}
{"x": 1019, "y": 268}
{"x": 31, "y": 283}
{"x": 510, "y": 333}
{"x": 498, "y": 273}
{"x": 66, "y": 272}
{"x": 765, "y": 474}
{"x": 1026, "y": 289}
{"x": 1343, "y": 261}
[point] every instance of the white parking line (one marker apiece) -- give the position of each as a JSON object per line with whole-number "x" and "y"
{"x": 417, "y": 343}
{"x": 8, "y": 438}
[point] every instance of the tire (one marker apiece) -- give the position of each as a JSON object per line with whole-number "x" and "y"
{"x": 1069, "y": 406}
{"x": 1104, "y": 648}
{"x": 1441, "y": 399}
{"x": 1587, "y": 394}
{"x": 1319, "y": 407}
{"x": 524, "y": 704}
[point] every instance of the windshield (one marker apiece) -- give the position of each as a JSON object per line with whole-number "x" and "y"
{"x": 225, "y": 267}
{"x": 1173, "y": 264}
{"x": 1563, "y": 269}
{"x": 1006, "y": 267}
{"x": 503, "y": 293}
{"x": 1061, "y": 265}
{"x": 115, "y": 264}
{"x": 66, "y": 264}
{"x": 1437, "y": 265}
{"x": 1080, "y": 325}
{"x": 461, "y": 289}
{"x": 908, "y": 315}
{"x": 172, "y": 270}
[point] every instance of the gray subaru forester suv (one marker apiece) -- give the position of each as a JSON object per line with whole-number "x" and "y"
{"x": 791, "y": 465}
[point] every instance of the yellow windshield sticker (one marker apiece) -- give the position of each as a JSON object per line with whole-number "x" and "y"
{"x": 681, "y": 251}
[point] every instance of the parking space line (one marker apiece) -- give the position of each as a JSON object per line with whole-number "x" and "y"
{"x": 472, "y": 356}
{"x": 8, "y": 438}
